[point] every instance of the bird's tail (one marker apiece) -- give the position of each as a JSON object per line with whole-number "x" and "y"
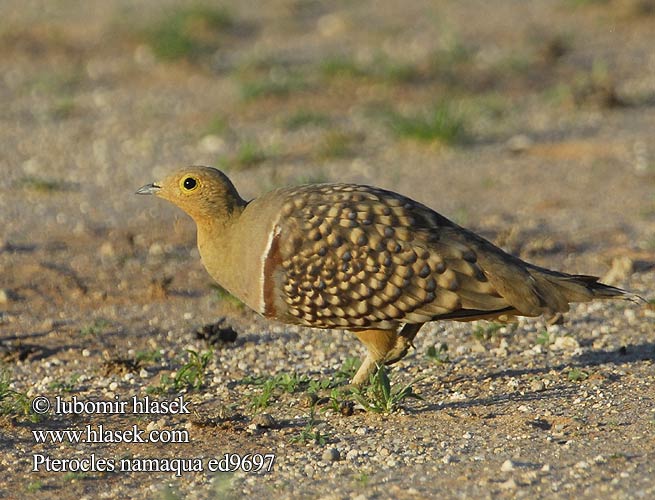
{"x": 558, "y": 289}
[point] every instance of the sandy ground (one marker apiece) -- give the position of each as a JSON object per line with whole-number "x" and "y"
{"x": 102, "y": 292}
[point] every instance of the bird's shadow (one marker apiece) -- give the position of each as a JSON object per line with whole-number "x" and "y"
{"x": 622, "y": 356}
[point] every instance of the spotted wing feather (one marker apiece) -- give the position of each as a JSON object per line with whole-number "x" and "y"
{"x": 358, "y": 257}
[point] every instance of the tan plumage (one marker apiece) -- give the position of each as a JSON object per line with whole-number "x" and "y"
{"x": 362, "y": 259}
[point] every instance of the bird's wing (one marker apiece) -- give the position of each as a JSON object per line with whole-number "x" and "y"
{"x": 359, "y": 257}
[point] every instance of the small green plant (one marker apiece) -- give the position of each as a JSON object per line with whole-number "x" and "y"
{"x": 363, "y": 479}
{"x": 262, "y": 400}
{"x": 304, "y": 117}
{"x": 344, "y": 374}
{"x": 193, "y": 372}
{"x": 11, "y": 402}
{"x": 381, "y": 68}
{"x": 165, "y": 385}
{"x": 335, "y": 399}
{"x": 33, "y": 486}
{"x": 65, "y": 385}
{"x": 282, "y": 382}
{"x": 341, "y": 66}
{"x": 318, "y": 386}
{"x": 188, "y": 33}
{"x": 379, "y": 397}
{"x": 442, "y": 123}
{"x": 310, "y": 434}
{"x": 247, "y": 155}
{"x": 74, "y": 476}
{"x": 438, "y": 353}
{"x": 274, "y": 84}
{"x": 486, "y": 332}
{"x": 152, "y": 356}
{"x": 337, "y": 144}
{"x": 42, "y": 184}
{"x": 543, "y": 338}
{"x": 96, "y": 328}
{"x": 577, "y": 375}
{"x": 217, "y": 125}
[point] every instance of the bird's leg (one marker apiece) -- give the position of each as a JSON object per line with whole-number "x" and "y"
{"x": 403, "y": 342}
{"x": 378, "y": 343}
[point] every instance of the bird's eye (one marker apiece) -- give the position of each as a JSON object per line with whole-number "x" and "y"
{"x": 189, "y": 183}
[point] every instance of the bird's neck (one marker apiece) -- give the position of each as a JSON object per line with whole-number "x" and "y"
{"x": 223, "y": 253}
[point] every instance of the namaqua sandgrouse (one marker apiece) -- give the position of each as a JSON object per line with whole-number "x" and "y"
{"x": 362, "y": 259}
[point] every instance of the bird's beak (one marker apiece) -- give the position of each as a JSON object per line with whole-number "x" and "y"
{"x": 149, "y": 189}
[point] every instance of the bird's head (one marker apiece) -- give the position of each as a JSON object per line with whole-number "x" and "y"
{"x": 205, "y": 193}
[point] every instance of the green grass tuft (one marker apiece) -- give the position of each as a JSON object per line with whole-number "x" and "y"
{"x": 188, "y": 33}
{"x": 438, "y": 353}
{"x": 337, "y": 144}
{"x": 304, "y": 117}
{"x": 42, "y": 184}
{"x": 442, "y": 123}
{"x": 379, "y": 396}
{"x": 577, "y": 375}
{"x": 12, "y": 403}
{"x": 274, "y": 84}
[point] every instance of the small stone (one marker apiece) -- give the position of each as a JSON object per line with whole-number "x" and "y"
{"x": 331, "y": 455}
{"x": 519, "y": 143}
{"x": 537, "y": 386}
{"x": 217, "y": 333}
{"x": 308, "y": 400}
{"x": 510, "y": 484}
{"x": 113, "y": 386}
{"x": 448, "y": 459}
{"x": 565, "y": 344}
{"x": 507, "y": 466}
{"x": 545, "y": 468}
{"x": 352, "y": 454}
{"x": 347, "y": 408}
{"x": 263, "y": 421}
{"x": 86, "y": 353}
{"x": 582, "y": 465}
{"x": 4, "y": 296}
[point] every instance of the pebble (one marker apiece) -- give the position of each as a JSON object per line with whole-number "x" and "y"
{"x": 507, "y": 466}
{"x": 4, "y": 296}
{"x": 519, "y": 143}
{"x": 510, "y": 484}
{"x": 564, "y": 344}
{"x": 331, "y": 455}
{"x": 264, "y": 421}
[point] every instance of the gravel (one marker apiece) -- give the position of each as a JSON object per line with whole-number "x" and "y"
{"x": 103, "y": 297}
